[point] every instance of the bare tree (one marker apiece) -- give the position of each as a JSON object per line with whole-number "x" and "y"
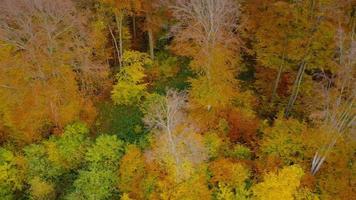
{"x": 206, "y": 23}
{"x": 53, "y": 61}
{"x": 165, "y": 114}
{"x": 19, "y": 27}
{"x": 51, "y": 32}
{"x": 206, "y": 30}
{"x": 175, "y": 137}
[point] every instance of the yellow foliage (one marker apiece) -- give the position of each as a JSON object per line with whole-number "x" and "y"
{"x": 284, "y": 139}
{"x": 282, "y": 185}
{"x": 305, "y": 194}
{"x": 120, "y": 6}
{"x": 228, "y": 192}
{"x": 225, "y": 171}
{"x": 12, "y": 170}
{"x": 225, "y": 192}
{"x": 41, "y": 190}
{"x": 130, "y": 86}
{"x": 131, "y": 173}
{"x": 169, "y": 189}
{"x": 98, "y": 39}
{"x": 217, "y": 86}
{"x": 125, "y": 197}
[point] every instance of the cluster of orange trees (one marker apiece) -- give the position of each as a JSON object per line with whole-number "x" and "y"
{"x": 177, "y": 99}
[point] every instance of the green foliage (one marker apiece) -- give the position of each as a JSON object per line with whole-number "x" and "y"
{"x": 167, "y": 65}
{"x": 100, "y": 179}
{"x": 130, "y": 86}
{"x": 213, "y": 143}
{"x": 170, "y": 72}
{"x": 11, "y": 176}
{"x": 71, "y": 146}
{"x": 123, "y": 121}
{"x": 47, "y": 163}
{"x": 239, "y": 151}
{"x": 105, "y": 153}
{"x": 95, "y": 184}
{"x": 39, "y": 163}
{"x": 51, "y": 159}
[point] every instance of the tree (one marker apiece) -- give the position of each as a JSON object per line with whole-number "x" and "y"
{"x": 275, "y": 36}
{"x": 319, "y": 44}
{"x": 176, "y": 144}
{"x": 206, "y": 32}
{"x": 51, "y": 159}
{"x": 284, "y": 140}
{"x": 165, "y": 113}
{"x": 50, "y": 71}
{"x": 99, "y": 179}
{"x": 95, "y": 184}
{"x": 122, "y": 8}
{"x": 338, "y": 115}
{"x": 132, "y": 173}
{"x": 283, "y": 185}
{"x": 105, "y": 153}
{"x": 51, "y": 162}
{"x": 130, "y": 87}
{"x": 12, "y": 176}
{"x": 169, "y": 189}
{"x": 154, "y": 13}
{"x": 41, "y": 189}
{"x": 40, "y": 165}
{"x": 69, "y": 149}
{"x": 228, "y": 179}
{"x": 279, "y": 27}
{"x": 204, "y": 25}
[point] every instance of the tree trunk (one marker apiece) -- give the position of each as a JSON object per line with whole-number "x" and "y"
{"x": 134, "y": 26}
{"x": 115, "y": 43}
{"x": 173, "y": 149}
{"x": 276, "y": 83}
{"x": 295, "y": 90}
{"x": 119, "y": 20}
{"x": 151, "y": 43}
{"x": 280, "y": 70}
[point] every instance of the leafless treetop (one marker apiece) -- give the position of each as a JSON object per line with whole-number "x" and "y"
{"x": 206, "y": 22}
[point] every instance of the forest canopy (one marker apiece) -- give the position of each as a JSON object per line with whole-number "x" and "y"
{"x": 177, "y": 99}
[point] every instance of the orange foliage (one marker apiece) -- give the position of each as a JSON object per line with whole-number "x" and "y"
{"x": 51, "y": 77}
{"x": 132, "y": 172}
{"x": 308, "y": 180}
{"x": 270, "y": 164}
{"x": 242, "y": 128}
{"x": 265, "y": 78}
{"x": 228, "y": 172}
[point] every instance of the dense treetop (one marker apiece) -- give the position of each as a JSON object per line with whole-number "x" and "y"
{"x": 177, "y": 99}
